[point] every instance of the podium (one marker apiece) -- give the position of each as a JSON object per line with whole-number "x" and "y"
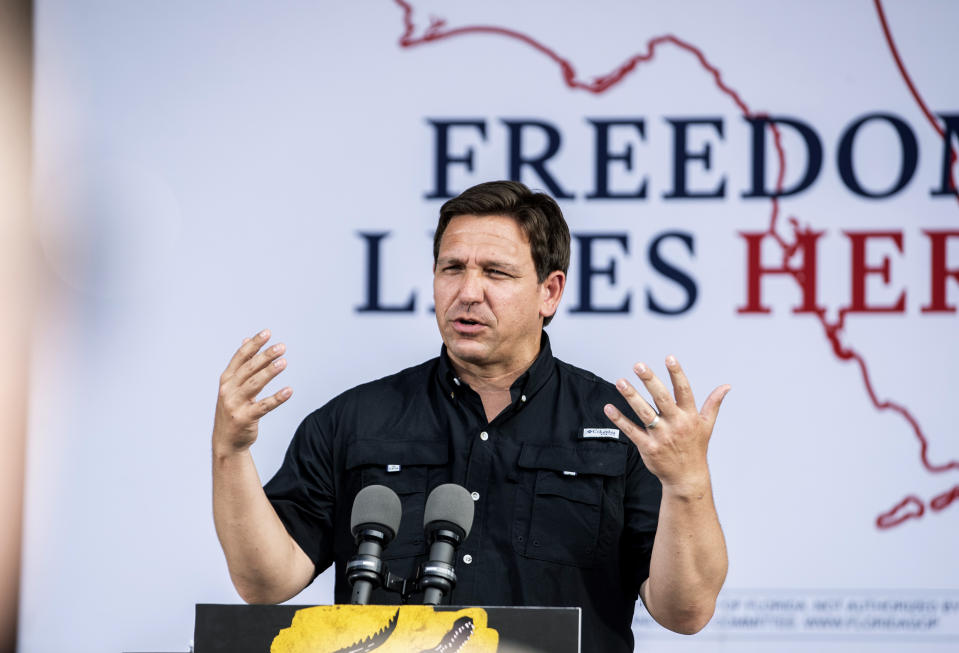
{"x": 384, "y": 629}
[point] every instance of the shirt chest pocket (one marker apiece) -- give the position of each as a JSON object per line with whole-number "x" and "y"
{"x": 568, "y": 510}
{"x": 411, "y": 468}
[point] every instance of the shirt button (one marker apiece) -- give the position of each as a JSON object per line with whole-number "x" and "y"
{"x": 523, "y": 398}
{"x": 484, "y": 436}
{"x": 475, "y": 496}
{"x": 468, "y": 559}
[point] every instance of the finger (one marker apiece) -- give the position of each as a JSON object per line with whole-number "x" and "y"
{"x": 252, "y": 386}
{"x": 657, "y": 390}
{"x": 681, "y": 388}
{"x": 711, "y": 406}
{"x": 259, "y": 362}
{"x": 636, "y": 401}
{"x": 638, "y": 436}
{"x": 269, "y": 403}
{"x": 246, "y": 351}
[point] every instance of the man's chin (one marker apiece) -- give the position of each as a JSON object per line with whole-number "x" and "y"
{"x": 468, "y": 351}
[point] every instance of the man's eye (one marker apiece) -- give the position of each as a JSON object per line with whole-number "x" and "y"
{"x": 496, "y": 273}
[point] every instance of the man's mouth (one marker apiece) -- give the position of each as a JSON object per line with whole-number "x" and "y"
{"x": 467, "y": 326}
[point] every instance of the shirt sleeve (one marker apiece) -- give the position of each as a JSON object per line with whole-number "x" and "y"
{"x": 302, "y": 491}
{"x": 644, "y": 493}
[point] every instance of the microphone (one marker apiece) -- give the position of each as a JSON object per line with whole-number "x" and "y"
{"x": 447, "y": 520}
{"x": 374, "y": 522}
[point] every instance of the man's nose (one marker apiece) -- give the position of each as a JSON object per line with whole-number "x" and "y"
{"x": 471, "y": 290}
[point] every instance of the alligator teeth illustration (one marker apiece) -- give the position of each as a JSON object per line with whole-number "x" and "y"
{"x": 456, "y": 638}
{"x": 375, "y": 640}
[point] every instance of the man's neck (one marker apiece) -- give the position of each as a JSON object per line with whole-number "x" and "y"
{"x": 491, "y": 384}
{"x": 482, "y": 380}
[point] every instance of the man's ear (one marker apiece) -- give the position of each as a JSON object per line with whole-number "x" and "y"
{"x": 551, "y": 292}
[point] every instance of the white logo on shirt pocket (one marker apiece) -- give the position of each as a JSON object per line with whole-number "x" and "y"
{"x": 609, "y": 434}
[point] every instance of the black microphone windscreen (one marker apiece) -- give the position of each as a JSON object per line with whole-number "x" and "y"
{"x": 376, "y": 504}
{"x": 450, "y": 503}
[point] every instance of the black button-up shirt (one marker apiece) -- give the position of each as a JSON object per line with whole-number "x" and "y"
{"x": 565, "y": 509}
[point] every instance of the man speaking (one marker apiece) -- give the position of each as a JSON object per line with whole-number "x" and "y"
{"x": 585, "y": 494}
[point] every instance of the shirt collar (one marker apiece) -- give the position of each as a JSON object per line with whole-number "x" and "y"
{"x": 524, "y": 387}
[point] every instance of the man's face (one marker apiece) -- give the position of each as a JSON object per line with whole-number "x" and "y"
{"x": 489, "y": 304}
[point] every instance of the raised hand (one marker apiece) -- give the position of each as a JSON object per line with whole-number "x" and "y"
{"x": 238, "y": 410}
{"x": 675, "y": 436}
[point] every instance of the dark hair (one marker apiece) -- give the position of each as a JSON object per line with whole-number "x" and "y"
{"x": 538, "y": 215}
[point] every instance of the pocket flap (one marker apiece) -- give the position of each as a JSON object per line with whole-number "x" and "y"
{"x": 396, "y": 452}
{"x": 602, "y": 458}
{"x": 583, "y": 489}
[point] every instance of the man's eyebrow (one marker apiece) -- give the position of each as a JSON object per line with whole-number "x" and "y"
{"x": 504, "y": 266}
{"x": 501, "y": 265}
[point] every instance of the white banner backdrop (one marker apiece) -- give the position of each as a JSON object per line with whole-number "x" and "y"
{"x": 204, "y": 170}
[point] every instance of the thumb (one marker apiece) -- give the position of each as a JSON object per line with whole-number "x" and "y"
{"x": 711, "y": 406}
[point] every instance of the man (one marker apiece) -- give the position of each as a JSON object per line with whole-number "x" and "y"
{"x": 569, "y": 511}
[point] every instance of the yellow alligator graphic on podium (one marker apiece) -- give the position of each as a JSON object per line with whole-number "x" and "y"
{"x": 386, "y": 629}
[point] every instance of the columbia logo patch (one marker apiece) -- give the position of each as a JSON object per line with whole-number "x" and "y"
{"x": 610, "y": 434}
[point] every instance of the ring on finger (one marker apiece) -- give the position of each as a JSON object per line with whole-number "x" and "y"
{"x": 652, "y": 424}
